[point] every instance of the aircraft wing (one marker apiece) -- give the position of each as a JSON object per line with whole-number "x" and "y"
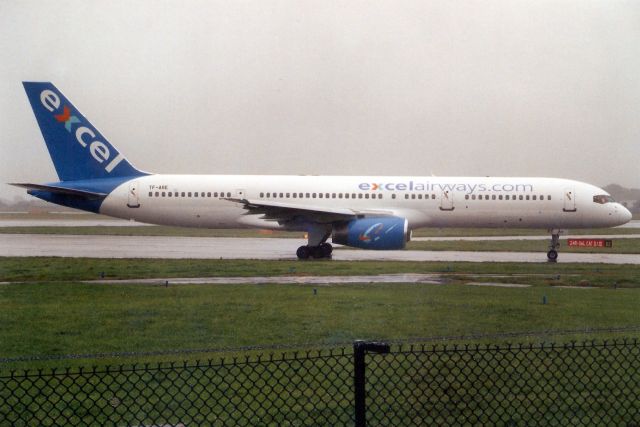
{"x": 61, "y": 190}
{"x": 287, "y": 212}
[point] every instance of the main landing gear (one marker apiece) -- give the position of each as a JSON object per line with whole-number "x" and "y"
{"x": 323, "y": 250}
{"x": 317, "y": 246}
{"x": 552, "y": 255}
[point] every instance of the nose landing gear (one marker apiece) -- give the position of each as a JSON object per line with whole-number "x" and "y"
{"x": 552, "y": 255}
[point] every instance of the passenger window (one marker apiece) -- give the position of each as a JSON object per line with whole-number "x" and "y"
{"x": 406, "y": 196}
{"x": 534, "y": 197}
{"x": 366, "y": 196}
{"x": 295, "y": 195}
{"x": 433, "y": 197}
{"x": 320, "y": 195}
{"x": 393, "y": 196}
{"x": 527, "y": 197}
{"x": 473, "y": 197}
{"x": 208, "y": 194}
{"x": 360, "y": 196}
{"x": 157, "y": 194}
{"x": 500, "y": 197}
{"x": 493, "y": 197}
{"x": 548, "y": 197}
{"x": 313, "y": 195}
{"x": 466, "y": 197}
{"x": 308, "y": 195}
{"x": 326, "y": 196}
{"x": 150, "y": 194}
{"x": 183, "y": 194}
{"x": 413, "y": 196}
{"x": 520, "y": 197}
{"x": 195, "y": 194}
{"x": 288, "y": 195}
{"x": 346, "y": 195}
{"x": 333, "y": 195}
{"x": 339, "y": 195}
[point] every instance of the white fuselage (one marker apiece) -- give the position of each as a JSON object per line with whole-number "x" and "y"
{"x": 203, "y": 200}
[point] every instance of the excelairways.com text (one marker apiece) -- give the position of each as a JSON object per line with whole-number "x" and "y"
{"x": 439, "y": 186}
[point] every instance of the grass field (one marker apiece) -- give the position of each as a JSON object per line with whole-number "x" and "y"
{"x": 46, "y": 311}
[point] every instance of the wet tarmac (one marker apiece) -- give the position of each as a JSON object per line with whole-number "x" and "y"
{"x": 71, "y": 222}
{"x": 499, "y": 238}
{"x": 432, "y": 279}
{"x": 254, "y": 248}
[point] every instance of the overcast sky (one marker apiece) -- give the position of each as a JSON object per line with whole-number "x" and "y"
{"x": 464, "y": 88}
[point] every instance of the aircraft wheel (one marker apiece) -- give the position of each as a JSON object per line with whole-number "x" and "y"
{"x": 303, "y": 252}
{"x": 326, "y": 249}
{"x": 552, "y": 255}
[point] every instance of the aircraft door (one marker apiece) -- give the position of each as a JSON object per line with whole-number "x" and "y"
{"x": 446, "y": 201}
{"x": 133, "y": 199}
{"x": 569, "y": 200}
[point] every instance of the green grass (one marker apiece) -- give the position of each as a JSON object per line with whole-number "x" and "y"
{"x": 48, "y": 269}
{"x": 45, "y": 313}
{"x": 60, "y": 317}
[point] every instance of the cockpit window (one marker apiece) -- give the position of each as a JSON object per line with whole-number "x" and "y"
{"x": 602, "y": 199}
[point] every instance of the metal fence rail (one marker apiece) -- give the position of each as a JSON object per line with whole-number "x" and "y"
{"x": 593, "y": 383}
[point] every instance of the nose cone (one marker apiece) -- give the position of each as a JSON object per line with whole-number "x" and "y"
{"x": 624, "y": 215}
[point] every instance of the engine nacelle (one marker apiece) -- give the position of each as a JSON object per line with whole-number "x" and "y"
{"x": 373, "y": 233}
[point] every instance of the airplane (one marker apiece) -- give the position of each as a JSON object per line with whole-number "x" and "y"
{"x": 368, "y": 212}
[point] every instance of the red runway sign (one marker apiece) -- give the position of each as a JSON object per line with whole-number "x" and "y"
{"x": 590, "y": 243}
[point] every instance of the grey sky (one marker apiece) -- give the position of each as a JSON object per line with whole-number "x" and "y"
{"x": 531, "y": 88}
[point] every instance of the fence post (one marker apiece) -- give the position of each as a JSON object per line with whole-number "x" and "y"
{"x": 360, "y": 349}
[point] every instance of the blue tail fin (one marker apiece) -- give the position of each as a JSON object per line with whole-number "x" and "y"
{"x": 78, "y": 150}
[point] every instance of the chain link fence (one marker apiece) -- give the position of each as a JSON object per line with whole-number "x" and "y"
{"x": 592, "y": 383}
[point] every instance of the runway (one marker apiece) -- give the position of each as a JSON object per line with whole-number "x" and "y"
{"x": 253, "y": 248}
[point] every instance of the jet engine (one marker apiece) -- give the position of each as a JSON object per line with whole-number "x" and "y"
{"x": 379, "y": 233}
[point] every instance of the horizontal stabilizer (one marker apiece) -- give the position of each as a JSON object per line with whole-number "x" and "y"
{"x": 61, "y": 190}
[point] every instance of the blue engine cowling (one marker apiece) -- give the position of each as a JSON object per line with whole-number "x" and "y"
{"x": 373, "y": 233}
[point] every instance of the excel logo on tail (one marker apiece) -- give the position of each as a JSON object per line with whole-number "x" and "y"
{"x": 84, "y": 135}
{"x": 66, "y": 118}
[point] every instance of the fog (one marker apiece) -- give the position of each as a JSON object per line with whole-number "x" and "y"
{"x": 513, "y": 88}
